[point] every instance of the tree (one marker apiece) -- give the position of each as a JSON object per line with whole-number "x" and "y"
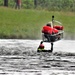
{"x": 35, "y": 3}
{"x": 6, "y": 3}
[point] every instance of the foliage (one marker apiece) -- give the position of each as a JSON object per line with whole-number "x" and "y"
{"x": 52, "y": 5}
{"x": 28, "y": 23}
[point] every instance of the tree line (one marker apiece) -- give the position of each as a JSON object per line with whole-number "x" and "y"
{"x": 52, "y": 5}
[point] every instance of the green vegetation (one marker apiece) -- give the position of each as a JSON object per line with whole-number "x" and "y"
{"x": 27, "y": 24}
{"x": 51, "y": 5}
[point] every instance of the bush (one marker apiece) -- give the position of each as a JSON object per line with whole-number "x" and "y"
{"x": 51, "y": 5}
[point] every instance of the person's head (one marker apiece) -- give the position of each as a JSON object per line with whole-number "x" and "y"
{"x": 48, "y": 24}
{"x": 41, "y": 45}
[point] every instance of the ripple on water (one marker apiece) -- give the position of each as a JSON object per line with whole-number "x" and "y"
{"x": 21, "y": 57}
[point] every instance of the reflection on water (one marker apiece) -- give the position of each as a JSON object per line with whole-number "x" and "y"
{"x": 20, "y": 57}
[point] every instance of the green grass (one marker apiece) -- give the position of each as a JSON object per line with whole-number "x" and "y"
{"x": 27, "y": 24}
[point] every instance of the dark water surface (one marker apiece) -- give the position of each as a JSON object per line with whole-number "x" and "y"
{"x": 20, "y": 57}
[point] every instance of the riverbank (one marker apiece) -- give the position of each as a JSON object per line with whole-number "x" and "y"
{"x": 27, "y": 24}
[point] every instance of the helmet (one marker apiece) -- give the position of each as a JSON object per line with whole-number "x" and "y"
{"x": 41, "y": 46}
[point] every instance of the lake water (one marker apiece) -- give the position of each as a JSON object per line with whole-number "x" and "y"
{"x": 20, "y": 57}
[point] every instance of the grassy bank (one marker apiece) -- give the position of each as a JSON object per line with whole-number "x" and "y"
{"x": 26, "y": 24}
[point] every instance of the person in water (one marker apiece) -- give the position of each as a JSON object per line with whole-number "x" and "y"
{"x": 41, "y": 46}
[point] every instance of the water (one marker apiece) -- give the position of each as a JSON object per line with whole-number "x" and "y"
{"x": 20, "y": 57}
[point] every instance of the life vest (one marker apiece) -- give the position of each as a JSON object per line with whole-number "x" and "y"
{"x": 40, "y": 49}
